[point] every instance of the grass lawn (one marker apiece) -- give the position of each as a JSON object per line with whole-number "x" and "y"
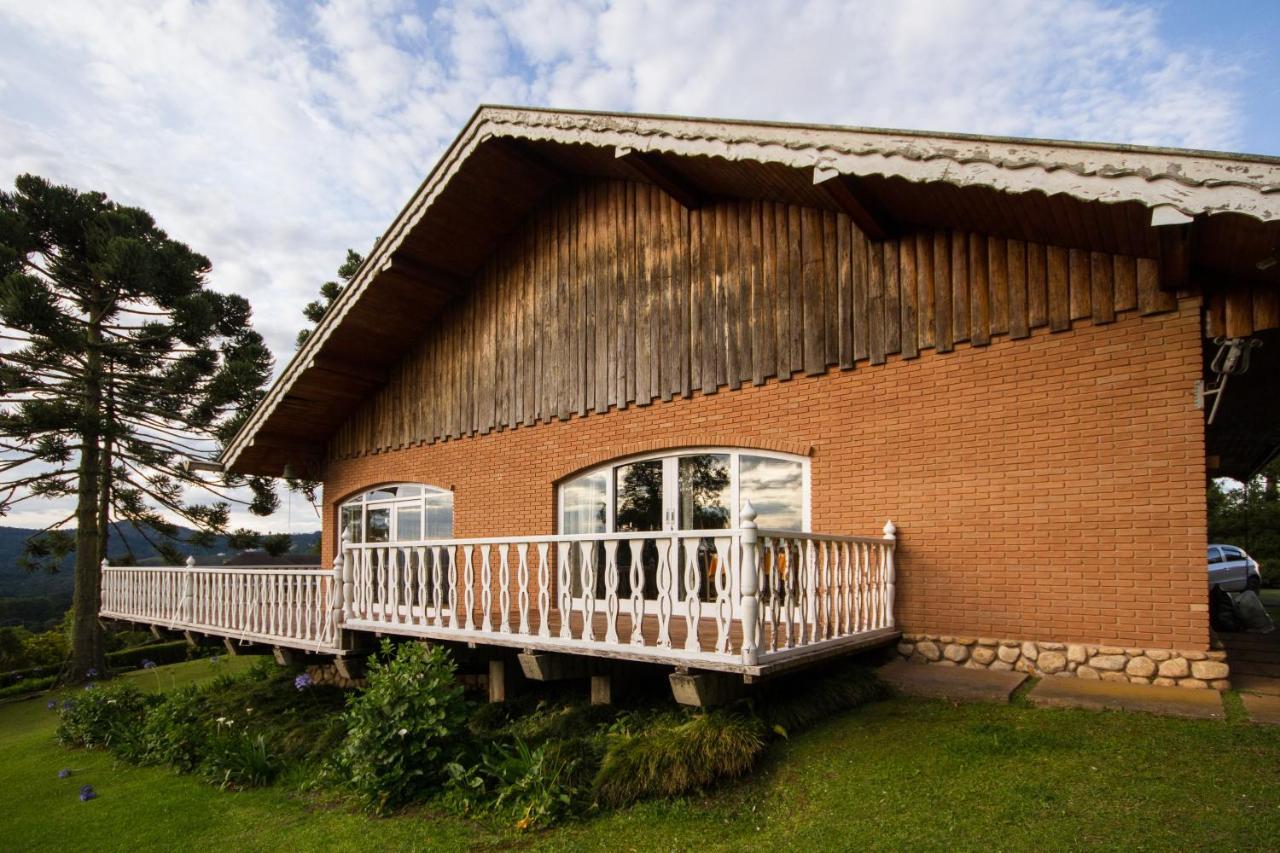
{"x": 897, "y": 774}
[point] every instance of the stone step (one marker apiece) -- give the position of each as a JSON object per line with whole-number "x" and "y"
{"x": 1115, "y": 696}
{"x": 1247, "y": 683}
{"x": 1262, "y": 709}
{"x": 951, "y": 682}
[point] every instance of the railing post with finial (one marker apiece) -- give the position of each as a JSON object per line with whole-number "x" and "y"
{"x": 188, "y": 585}
{"x": 750, "y": 585}
{"x": 345, "y": 565}
{"x": 891, "y": 537}
{"x": 108, "y": 586}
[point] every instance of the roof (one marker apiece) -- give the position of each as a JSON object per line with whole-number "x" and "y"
{"x": 1087, "y": 195}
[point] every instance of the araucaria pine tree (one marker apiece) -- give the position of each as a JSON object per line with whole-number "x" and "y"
{"x": 117, "y": 366}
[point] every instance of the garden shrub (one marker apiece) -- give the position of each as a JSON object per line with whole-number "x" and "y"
{"x": 23, "y": 686}
{"x": 404, "y": 727}
{"x": 106, "y": 717}
{"x": 177, "y": 730}
{"x": 677, "y": 755}
{"x": 532, "y": 784}
{"x": 158, "y": 653}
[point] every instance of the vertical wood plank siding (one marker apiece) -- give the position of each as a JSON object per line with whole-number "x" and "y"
{"x": 611, "y": 295}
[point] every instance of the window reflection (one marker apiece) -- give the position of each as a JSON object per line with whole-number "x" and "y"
{"x": 704, "y": 491}
{"x": 775, "y": 488}
{"x": 584, "y": 504}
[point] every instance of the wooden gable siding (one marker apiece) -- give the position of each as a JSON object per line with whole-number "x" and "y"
{"x": 612, "y": 294}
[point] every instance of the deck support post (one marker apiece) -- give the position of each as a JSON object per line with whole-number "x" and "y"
{"x": 350, "y": 667}
{"x": 230, "y": 645}
{"x": 601, "y": 690}
{"x": 500, "y": 688}
{"x": 283, "y": 656}
{"x": 704, "y": 689}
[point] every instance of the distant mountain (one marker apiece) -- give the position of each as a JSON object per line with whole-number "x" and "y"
{"x": 16, "y": 582}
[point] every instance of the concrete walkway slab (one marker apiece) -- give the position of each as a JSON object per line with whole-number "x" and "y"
{"x": 1255, "y": 684}
{"x": 1114, "y": 696}
{"x": 1262, "y": 709}
{"x": 951, "y": 682}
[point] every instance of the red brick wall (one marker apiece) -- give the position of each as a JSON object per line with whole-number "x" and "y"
{"x": 1051, "y": 488}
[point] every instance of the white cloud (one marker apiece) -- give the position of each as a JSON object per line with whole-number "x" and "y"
{"x": 272, "y": 138}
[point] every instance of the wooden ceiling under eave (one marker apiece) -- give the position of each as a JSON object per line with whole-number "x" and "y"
{"x": 502, "y": 180}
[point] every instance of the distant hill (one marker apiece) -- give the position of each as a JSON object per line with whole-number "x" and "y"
{"x": 17, "y": 583}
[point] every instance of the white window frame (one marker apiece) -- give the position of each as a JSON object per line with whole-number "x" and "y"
{"x": 363, "y": 501}
{"x": 671, "y": 484}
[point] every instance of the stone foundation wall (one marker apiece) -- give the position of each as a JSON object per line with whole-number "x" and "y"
{"x": 327, "y": 674}
{"x": 1162, "y": 667}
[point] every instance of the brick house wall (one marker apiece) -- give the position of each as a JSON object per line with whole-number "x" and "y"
{"x": 1051, "y": 488}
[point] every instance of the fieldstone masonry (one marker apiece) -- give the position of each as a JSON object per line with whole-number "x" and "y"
{"x": 328, "y": 674}
{"x": 1162, "y": 667}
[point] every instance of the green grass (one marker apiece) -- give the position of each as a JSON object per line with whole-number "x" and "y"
{"x": 892, "y": 775}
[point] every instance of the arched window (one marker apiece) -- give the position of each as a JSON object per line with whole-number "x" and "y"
{"x": 404, "y": 512}
{"x": 693, "y": 489}
{"x": 696, "y": 489}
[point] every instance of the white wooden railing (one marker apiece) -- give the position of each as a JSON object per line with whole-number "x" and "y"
{"x": 741, "y": 599}
{"x": 284, "y": 606}
{"x": 730, "y": 599}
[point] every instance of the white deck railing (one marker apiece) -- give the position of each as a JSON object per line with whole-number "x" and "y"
{"x": 730, "y": 599}
{"x": 742, "y": 599}
{"x": 283, "y": 606}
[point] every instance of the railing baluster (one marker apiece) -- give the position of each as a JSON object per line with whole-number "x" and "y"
{"x": 587, "y": 574}
{"x": 692, "y": 595}
{"x": 668, "y": 549}
{"x": 636, "y": 547}
{"x": 504, "y": 588}
{"x": 544, "y": 590}
{"x": 564, "y": 588}
{"x": 469, "y": 588}
{"x": 522, "y": 581}
{"x": 724, "y": 607}
{"x": 611, "y": 590}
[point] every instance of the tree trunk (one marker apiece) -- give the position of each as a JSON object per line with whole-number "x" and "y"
{"x": 88, "y": 657}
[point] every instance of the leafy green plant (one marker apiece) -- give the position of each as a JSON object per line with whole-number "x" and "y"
{"x": 237, "y": 758}
{"x": 106, "y": 717}
{"x": 177, "y": 730}
{"x": 678, "y": 755}
{"x": 531, "y": 782}
{"x": 404, "y": 728}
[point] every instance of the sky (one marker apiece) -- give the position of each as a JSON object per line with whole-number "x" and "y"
{"x": 272, "y": 137}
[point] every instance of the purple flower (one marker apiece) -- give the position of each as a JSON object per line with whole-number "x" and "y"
{"x": 64, "y": 773}
{"x": 302, "y": 682}
{"x": 52, "y": 704}
{"x": 148, "y": 663}
{"x": 91, "y": 673}
{"x": 87, "y": 793}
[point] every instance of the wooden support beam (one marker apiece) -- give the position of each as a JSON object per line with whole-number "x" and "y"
{"x": 705, "y": 689}
{"x": 1173, "y": 247}
{"x": 499, "y": 683}
{"x": 423, "y": 274}
{"x": 864, "y": 210}
{"x": 650, "y": 168}
{"x": 546, "y": 666}
{"x": 349, "y": 370}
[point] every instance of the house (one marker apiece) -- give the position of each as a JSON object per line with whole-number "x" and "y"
{"x": 734, "y": 397}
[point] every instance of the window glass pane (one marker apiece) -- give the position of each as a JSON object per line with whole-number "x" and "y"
{"x": 408, "y": 491}
{"x": 351, "y": 521}
{"x": 439, "y": 515}
{"x": 775, "y": 488}
{"x": 381, "y": 494}
{"x": 408, "y": 522}
{"x": 379, "y": 521}
{"x": 704, "y": 491}
{"x": 584, "y": 504}
{"x": 1215, "y": 555}
{"x": 638, "y": 496}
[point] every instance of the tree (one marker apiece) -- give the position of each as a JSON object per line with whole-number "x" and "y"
{"x": 277, "y": 544}
{"x": 121, "y": 365}
{"x": 329, "y": 291}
